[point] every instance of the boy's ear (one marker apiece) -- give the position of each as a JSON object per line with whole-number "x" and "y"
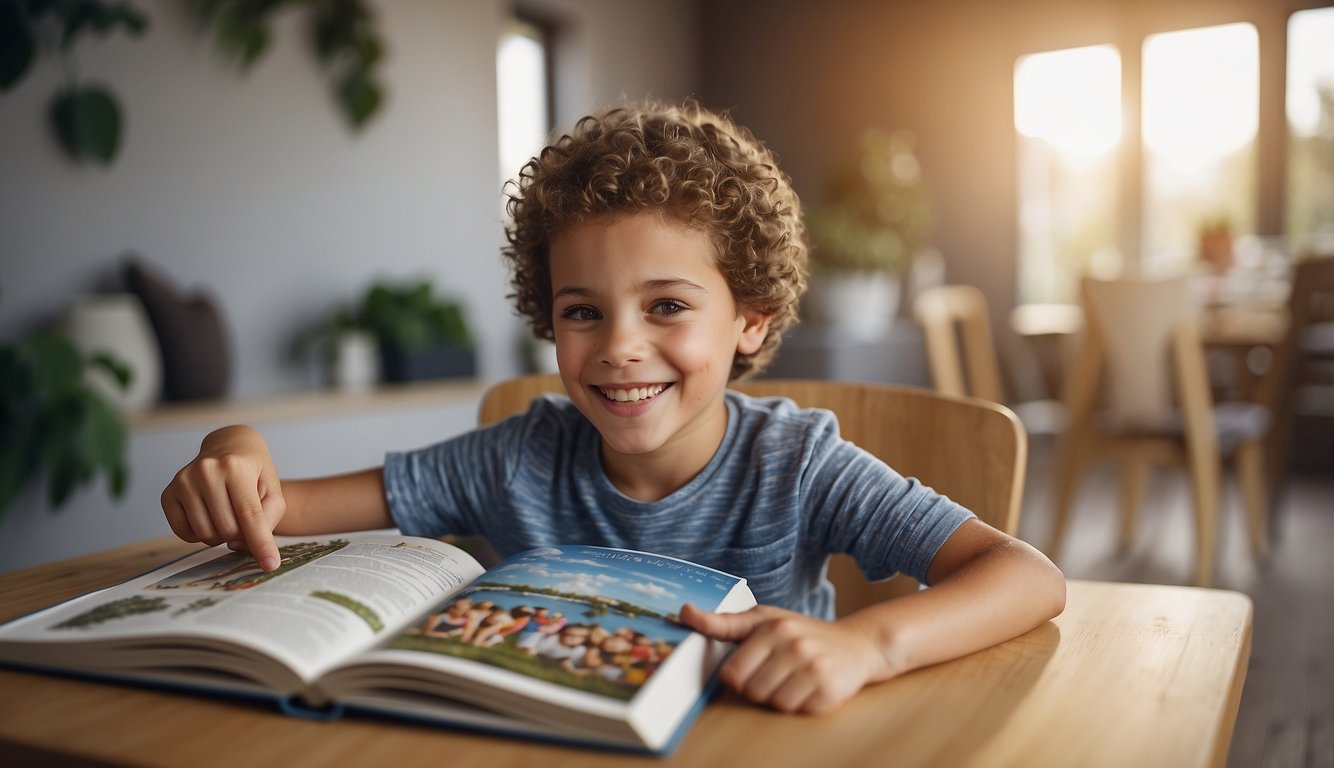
{"x": 754, "y": 330}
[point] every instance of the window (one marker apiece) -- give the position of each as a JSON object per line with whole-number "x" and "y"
{"x": 523, "y": 94}
{"x": 1201, "y": 96}
{"x": 1310, "y": 108}
{"x": 1196, "y": 161}
{"x": 1068, "y": 115}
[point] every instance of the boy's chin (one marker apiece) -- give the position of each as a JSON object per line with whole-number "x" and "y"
{"x": 630, "y": 446}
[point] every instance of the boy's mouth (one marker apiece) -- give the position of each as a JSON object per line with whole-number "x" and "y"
{"x": 632, "y": 394}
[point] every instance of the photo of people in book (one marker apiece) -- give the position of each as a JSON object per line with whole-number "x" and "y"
{"x": 238, "y": 570}
{"x": 598, "y": 625}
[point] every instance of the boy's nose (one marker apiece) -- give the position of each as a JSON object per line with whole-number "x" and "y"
{"x": 623, "y": 344}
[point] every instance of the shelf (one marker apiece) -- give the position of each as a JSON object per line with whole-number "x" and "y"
{"x": 307, "y": 405}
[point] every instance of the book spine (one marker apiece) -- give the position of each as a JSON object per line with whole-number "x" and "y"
{"x": 298, "y": 708}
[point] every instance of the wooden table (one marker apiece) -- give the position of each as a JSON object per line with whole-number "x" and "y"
{"x": 1128, "y": 675}
{"x": 1236, "y": 330}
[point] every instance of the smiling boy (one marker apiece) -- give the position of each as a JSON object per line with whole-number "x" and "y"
{"x": 662, "y": 250}
{"x": 645, "y": 349}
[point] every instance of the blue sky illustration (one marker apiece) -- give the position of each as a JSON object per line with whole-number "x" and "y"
{"x": 661, "y": 584}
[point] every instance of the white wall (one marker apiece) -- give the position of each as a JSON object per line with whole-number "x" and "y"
{"x": 252, "y": 187}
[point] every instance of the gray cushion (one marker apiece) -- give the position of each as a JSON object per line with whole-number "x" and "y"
{"x": 196, "y": 356}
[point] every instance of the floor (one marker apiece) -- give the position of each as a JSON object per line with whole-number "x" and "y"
{"x": 1286, "y": 718}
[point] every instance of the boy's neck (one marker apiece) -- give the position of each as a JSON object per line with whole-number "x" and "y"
{"x": 654, "y": 476}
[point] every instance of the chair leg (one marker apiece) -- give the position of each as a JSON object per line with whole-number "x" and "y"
{"x": 1134, "y": 476}
{"x": 1250, "y": 474}
{"x": 1204, "y": 480}
{"x": 1068, "y": 470}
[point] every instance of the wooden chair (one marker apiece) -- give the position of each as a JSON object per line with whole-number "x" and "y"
{"x": 1142, "y": 346}
{"x": 1306, "y": 354}
{"x": 972, "y": 451}
{"x": 961, "y": 354}
{"x": 959, "y": 345}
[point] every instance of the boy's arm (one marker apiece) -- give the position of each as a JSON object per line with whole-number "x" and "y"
{"x": 986, "y": 588}
{"x": 351, "y": 502}
{"x": 231, "y": 494}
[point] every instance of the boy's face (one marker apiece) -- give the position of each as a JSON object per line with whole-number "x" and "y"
{"x": 646, "y": 328}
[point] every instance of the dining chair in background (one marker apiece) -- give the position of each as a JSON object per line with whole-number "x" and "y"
{"x": 962, "y": 355}
{"x": 1139, "y": 394}
{"x": 971, "y": 450}
{"x": 1304, "y": 358}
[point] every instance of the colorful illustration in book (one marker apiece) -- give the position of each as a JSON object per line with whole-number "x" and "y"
{"x": 114, "y": 610}
{"x": 238, "y": 570}
{"x": 197, "y": 605}
{"x": 584, "y": 622}
{"x": 363, "y": 611}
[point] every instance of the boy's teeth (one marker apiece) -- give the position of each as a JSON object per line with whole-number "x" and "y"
{"x": 633, "y": 394}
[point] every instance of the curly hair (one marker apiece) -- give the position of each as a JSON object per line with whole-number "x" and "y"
{"x": 693, "y": 165}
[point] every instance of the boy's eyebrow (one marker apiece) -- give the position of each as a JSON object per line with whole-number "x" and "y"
{"x": 660, "y": 284}
{"x": 672, "y": 283}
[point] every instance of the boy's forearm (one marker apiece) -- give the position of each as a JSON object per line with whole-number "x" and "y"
{"x": 351, "y": 502}
{"x": 1003, "y": 592}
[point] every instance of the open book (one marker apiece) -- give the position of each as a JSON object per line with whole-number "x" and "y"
{"x": 568, "y": 643}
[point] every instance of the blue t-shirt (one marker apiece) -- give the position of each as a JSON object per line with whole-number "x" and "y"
{"x": 780, "y": 495}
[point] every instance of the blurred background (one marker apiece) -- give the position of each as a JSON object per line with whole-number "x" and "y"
{"x": 260, "y": 194}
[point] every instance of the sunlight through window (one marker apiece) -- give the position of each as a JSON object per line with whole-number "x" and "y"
{"x": 1310, "y": 108}
{"x": 1067, "y": 111}
{"x": 522, "y": 96}
{"x": 1200, "y": 114}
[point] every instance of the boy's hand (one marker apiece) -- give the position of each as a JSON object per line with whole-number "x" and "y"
{"x": 790, "y": 661}
{"x": 229, "y": 494}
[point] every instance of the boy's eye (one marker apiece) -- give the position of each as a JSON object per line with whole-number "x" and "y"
{"x": 668, "y": 307}
{"x": 580, "y": 312}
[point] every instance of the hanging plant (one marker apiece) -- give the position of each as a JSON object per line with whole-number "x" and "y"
{"x": 343, "y": 34}
{"x": 85, "y": 118}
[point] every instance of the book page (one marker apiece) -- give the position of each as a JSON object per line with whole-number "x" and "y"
{"x": 584, "y": 628}
{"x": 332, "y": 595}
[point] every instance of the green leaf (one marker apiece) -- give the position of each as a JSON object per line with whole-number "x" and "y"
{"x": 119, "y": 371}
{"x": 17, "y": 47}
{"x": 58, "y": 421}
{"x": 243, "y": 32}
{"x": 359, "y": 97}
{"x": 104, "y": 435}
{"x": 57, "y": 364}
{"x": 87, "y": 122}
{"x": 64, "y": 478}
{"x": 120, "y": 479}
{"x": 17, "y": 462}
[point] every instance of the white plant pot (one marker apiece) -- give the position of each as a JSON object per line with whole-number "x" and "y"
{"x": 117, "y": 325}
{"x": 356, "y": 362}
{"x": 861, "y": 304}
{"x": 543, "y": 357}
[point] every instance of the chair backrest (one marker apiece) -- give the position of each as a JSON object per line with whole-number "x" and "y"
{"x": 1310, "y": 306}
{"x": 1051, "y": 334}
{"x": 974, "y": 452}
{"x": 959, "y": 345}
{"x": 1310, "y": 301}
{"x": 1132, "y": 324}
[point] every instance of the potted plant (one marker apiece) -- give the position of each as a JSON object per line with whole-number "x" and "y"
{"x": 418, "y": 335}
{"x": 1216, "y": 243}
{"x": 52, "y": 421}
{"x": 874, "y": 217}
